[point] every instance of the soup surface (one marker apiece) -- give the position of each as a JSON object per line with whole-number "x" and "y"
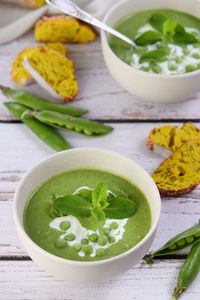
{"x": 168, "y": 41}
{"x": 75, "y": 238}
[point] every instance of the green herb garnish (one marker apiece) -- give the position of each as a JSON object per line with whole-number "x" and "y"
{"x": 148, "y": 38}
{"x": 103, "y": 205}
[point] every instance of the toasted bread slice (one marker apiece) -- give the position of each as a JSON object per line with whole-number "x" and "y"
{"x": 166, "y": 139}
{"x": 19, "y": 74}
{"x": 53, "y": 71}
{"x": 34, "y": 3}
{"x": 180, "y": 172}
{"x": 64, "y": 29}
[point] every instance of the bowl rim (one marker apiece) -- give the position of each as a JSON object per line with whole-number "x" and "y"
{"x": 21, "y": 230}
{"x": 104, "y": 38}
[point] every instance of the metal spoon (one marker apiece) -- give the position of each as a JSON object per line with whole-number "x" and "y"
{"x": 72, "y": 9}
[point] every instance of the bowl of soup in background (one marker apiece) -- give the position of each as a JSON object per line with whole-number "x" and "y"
{"x": 86, "y": 271}
{"x": 149, "y": 86}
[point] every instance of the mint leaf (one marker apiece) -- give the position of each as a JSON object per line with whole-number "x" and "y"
{"x": 148, "y": 38}
{"x": 98, "y": 213}
{"x": 155, "y": 55}
{"x": 157, "y": 21}
{"x": 120, "y": 208}
{"x": 99, "y": 195}
{"x": 169, "y": 27}
{"x": 73, "y": 205}
{"x": 183, "y": 37}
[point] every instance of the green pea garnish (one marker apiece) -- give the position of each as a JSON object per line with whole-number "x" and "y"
{"x": 87, "y": 249}
{"x": 104, "y": 230}
{"x": 60, "y": 243}
{"x": 65, "y": 225}
{"x": 102, "y": 240}
{"x": 77, "y": 247}
{"x": 84, "y": 241}
{"x": 113, "y": 225}
{"x": 93, "y": 237}
{"x": 111, "y": 239}
{"x": 70, "y": 237}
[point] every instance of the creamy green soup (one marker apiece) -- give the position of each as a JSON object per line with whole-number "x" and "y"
{"x": 168, "y": 41}
{"x": 82, "y": 238}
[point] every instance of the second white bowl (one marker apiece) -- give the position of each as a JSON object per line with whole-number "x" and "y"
{"x": 154, "y": 87}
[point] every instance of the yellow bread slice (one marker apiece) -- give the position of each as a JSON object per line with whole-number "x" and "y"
{"x": 180, "y": 172}
{"x": 166, "y": 139}
{"x": 53, "y": 71}
{"x": 19, "y": 74}
{"x": 63, "y": 29}
{"x": 34, "y": 3}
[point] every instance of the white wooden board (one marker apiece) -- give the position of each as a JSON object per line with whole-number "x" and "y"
{"x": 24, "y": 280}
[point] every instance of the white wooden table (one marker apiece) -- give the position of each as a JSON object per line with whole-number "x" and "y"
{"x": 132, "y": 119}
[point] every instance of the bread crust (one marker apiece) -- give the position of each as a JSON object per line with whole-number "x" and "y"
{"x": 176, "y": 192}
{"x": 155, "y": 147}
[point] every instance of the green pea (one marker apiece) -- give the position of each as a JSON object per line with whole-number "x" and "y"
{"x": 102, "y": 240}
{"x": 113, "y": 225}
{"x": 84, "y": 241}
{"x": 104, "y": 230}
{"x": 70, "y": 237}
{"x": 181, "y": 243}
{"x": 186, "y": 51}
{"x": 87, "y": 249}
{"x": 77, "y": 247}
{"x": 197, "y": 234}
{"x": 85, "y": 193}
{"x": 189, "y": 239}
{"x": 65, "y": 225}
{"x": 78, "y": 129}
{"x": 172, "y": 247}
{"x": 87, "y": 132}
{"x": 172, "y": 67}
{"x": 60, "y": 243}
{"x": 196, "y": 55}
{"x": 156, "y": 68}
{"x": 93, "y": 237}
{"x": 179, "y": 60}
{"x": 190, "y": 68}
{"x": 111, "y": 239}
{"x": 100, "y": 252}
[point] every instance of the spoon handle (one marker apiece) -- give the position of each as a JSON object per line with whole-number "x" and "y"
{"x": 72, "y": 9}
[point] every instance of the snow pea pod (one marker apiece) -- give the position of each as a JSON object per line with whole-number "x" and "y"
{"x": 79, "y": 125}
{"x": 181, "y": 241}
{"x": 37, "y": 103}
{"x": 47, "y": 134}
{"x": 189, "y": 271}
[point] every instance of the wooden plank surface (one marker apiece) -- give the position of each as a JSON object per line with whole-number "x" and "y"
{"x": 98, "y": 92}
{"x": 24, "y": 280}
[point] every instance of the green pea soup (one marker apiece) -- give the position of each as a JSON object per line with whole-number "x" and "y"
{"x": 174, "y": 58}
{"x": 80, "y": 238}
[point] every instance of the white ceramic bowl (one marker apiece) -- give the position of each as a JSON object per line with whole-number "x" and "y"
{"x": 76, "y": 271}
{"x": 154, "y": 87}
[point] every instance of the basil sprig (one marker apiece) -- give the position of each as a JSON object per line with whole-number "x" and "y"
{"x": 168, "y": 30}
{"x": 101, "y": 206}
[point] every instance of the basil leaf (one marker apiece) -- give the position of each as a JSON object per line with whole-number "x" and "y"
{"x": 98, "y": 213}
{"x": 169, "y": 27}
{"x": 183, "y": 37}
{"x": 73, "y": 205}
{"x": 99, "y": 194}
{"x": 148, "y": 38}
{"x": 155, "y": 55}
{"x": 120, "y": 208}
{"x": 157, "y": 21}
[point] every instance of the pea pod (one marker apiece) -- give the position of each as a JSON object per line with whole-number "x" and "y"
{"x": 181, "y": 241}
{"x": 43, "y": 131}
{"x": 189, "y": 271}
{"x": 79, "y": 125}
{"x": 37, "y": 103}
